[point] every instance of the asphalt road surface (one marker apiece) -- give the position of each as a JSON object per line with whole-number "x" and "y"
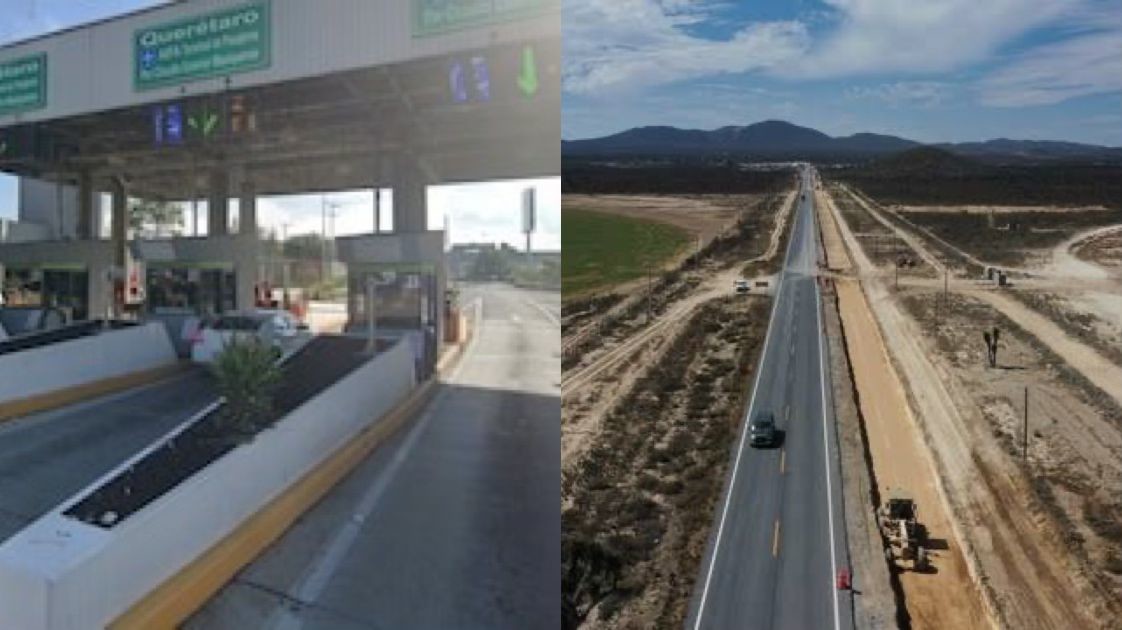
{"x": 452, "y": 524}
{"x": 779, "y": 536}
{"x": 46, "y": 458}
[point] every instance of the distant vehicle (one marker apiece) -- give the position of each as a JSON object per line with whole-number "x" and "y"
{"x": 762, "y": 432}
{"x": 742, "y": 286}
{"x": 276, "y": 328}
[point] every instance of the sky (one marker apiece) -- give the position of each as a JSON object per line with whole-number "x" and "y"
{"x": 489, "y": 212}
{"x": 928, "y": 70}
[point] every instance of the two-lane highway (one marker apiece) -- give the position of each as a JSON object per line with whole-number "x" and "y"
{"x": 779, "y": 539}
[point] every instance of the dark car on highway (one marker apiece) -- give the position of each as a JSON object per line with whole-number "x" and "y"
{"x": 761, "y": 432}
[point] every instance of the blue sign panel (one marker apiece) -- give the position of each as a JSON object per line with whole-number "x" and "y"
{"x": 457, "y": 82}
{"x": 167, "y": 124}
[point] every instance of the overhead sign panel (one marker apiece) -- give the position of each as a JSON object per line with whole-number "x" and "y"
{"x": 216, "y": 44}
{"x": 431, "y": 17}
{"x": 23, "y": 84}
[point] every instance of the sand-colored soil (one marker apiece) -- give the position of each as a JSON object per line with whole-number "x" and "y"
{"x": 1014, "y": 549}
{"x": 945, "y": 597}
{"x": 994, "y": 209}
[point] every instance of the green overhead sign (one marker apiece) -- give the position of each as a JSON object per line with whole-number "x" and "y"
{"x": 432, "y": 17}
{"x": 211, "y": 45}
{"x": 23, "y": 84}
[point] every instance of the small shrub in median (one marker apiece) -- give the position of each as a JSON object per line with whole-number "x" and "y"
{"x": 248, "y": 376}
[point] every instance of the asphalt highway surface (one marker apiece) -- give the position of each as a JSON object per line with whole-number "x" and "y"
{"x": 46, "y": 458}
{"x": 454, "y": 522}
{"x": 778, "y": 539}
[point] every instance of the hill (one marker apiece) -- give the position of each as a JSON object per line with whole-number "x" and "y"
{"x": 781, "y": 140}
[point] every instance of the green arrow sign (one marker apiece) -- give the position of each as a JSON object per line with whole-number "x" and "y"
{"x": 204, "y": 123}
{"x": 528, "y": 79}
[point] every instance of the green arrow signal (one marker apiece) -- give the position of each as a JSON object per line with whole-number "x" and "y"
{"x": 528, "y": 79}
{"x": 205, "y": 123}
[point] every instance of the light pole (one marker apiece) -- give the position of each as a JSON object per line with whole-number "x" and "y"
{"x": 325, "y": 269}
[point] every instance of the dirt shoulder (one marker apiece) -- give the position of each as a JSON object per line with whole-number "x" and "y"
{"x": 875, "y": 603}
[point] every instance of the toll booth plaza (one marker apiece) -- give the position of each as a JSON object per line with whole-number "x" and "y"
{"x": 215, "y": 103}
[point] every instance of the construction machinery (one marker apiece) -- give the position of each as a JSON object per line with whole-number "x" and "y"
{"x": 905, "y": 536}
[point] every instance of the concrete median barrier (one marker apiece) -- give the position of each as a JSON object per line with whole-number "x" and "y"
{"x": 60, "y": 573}
{"x": 61, "y": 373}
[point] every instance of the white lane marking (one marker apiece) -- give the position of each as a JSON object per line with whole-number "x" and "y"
{"x": 743, "y": 435}
{"x": 553, "y": 319}
{"x": 318, "y": 575}
{"x": 826, "y": 455}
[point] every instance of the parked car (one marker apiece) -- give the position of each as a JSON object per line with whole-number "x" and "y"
{"x": 762, "y": 432}
{"x": 276, "y": 328}
{"x": 742, "y": 286}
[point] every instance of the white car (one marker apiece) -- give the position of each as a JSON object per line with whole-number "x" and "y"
{"x": 742, "y": 286}
{"x": 274, "y": 327}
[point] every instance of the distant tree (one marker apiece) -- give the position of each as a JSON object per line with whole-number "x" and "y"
{"x": 489, "y": 265}
{"x": 157, "y": 218}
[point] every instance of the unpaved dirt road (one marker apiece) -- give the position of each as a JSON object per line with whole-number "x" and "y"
{"x": 946, "y": 597}
{"x": 1019, "y": 563}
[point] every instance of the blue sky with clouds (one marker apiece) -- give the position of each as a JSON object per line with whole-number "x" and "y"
{"x": 478, "y": 212}
{"x": 930, "y": 70}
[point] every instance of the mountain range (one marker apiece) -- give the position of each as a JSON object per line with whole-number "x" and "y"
{"x": 777, "y": 139}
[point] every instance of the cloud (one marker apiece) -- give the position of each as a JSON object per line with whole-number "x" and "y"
{"x": 890, "y": 36}
{"x": 621, "y": 44}
{"x": 1081, "y": 66}
{"x": 911, "y": 93}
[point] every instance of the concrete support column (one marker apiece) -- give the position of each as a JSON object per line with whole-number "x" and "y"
{"x": 410, "y": 206}
{"x": 246, "y": 270}
{"x": 120, "y": 243}
{"x": 85, "y": 206}
{"x": 218, "y": 207}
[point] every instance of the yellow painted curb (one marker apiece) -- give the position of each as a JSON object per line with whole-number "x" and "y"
{"x": 185, "y": 592}
{"x": 79, "y": 393}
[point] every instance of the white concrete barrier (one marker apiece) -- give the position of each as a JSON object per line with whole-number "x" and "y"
{"x": 62, "y": 574}
{"x": 84, "y": 360}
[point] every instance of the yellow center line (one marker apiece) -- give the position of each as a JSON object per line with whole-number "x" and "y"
{"x": 782, "y": 461}
{"x": 775, "y": 540}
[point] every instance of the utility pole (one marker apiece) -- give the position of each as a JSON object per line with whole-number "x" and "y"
{"x": 284, "y": 263}
{"x": 323, "y": 238}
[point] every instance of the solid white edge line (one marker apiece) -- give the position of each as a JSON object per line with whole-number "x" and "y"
{"x": 744, "y": 427}
{"x": 553, "y": 319}
{"x": 826, "y": 454}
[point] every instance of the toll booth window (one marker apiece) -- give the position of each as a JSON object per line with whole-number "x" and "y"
{"x": 22, "y": 287}
{"x": 399, "y": 302}
{"x": 67, "y": 290}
